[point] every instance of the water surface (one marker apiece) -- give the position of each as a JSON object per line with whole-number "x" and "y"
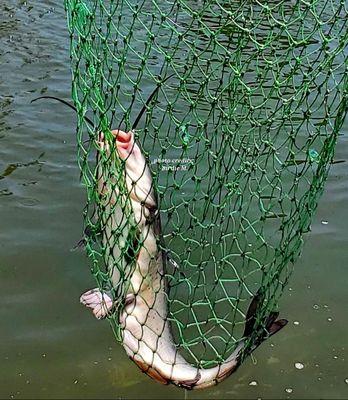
{"x": 51, "y": 346}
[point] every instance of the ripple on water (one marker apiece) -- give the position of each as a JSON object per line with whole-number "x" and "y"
{"x": 5, "y": 192}
{"x": 28, "y": 202}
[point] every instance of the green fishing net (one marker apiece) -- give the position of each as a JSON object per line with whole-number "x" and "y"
{"x": 239, "y": 137}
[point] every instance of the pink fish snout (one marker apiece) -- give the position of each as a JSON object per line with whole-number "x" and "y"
{"x": 124, "y": 143}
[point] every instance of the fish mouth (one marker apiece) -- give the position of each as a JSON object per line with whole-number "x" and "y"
{"x": 124, "y": 142}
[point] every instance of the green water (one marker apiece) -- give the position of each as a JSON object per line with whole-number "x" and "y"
{"x": 51, "y": 347}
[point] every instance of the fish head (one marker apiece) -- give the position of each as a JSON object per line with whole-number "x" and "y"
{"x": 137, "y": 173}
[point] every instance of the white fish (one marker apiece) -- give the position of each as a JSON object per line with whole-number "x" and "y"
{"x": 146, "y": 331}
{"x": 146, "y": 334}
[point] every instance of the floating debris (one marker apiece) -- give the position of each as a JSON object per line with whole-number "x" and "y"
{"x": 253, "y": 383}
{"x": 296, "y": 323}
{"x": 299, "y": 365}
{"x": 12, "y": 167}
{"x": 324, "y": 222}
{"x": 329, "y": 319}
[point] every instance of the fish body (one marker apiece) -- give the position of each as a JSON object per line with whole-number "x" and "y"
{"x": 146, "y": 330}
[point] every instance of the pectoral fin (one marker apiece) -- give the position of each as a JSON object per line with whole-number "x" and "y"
{"x": 101, "y": 303}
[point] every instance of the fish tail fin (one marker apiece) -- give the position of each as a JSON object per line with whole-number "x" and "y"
{"x": 271, "y": 324}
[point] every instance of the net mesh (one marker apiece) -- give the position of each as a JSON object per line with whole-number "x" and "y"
{"x": 239, "y": 138}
